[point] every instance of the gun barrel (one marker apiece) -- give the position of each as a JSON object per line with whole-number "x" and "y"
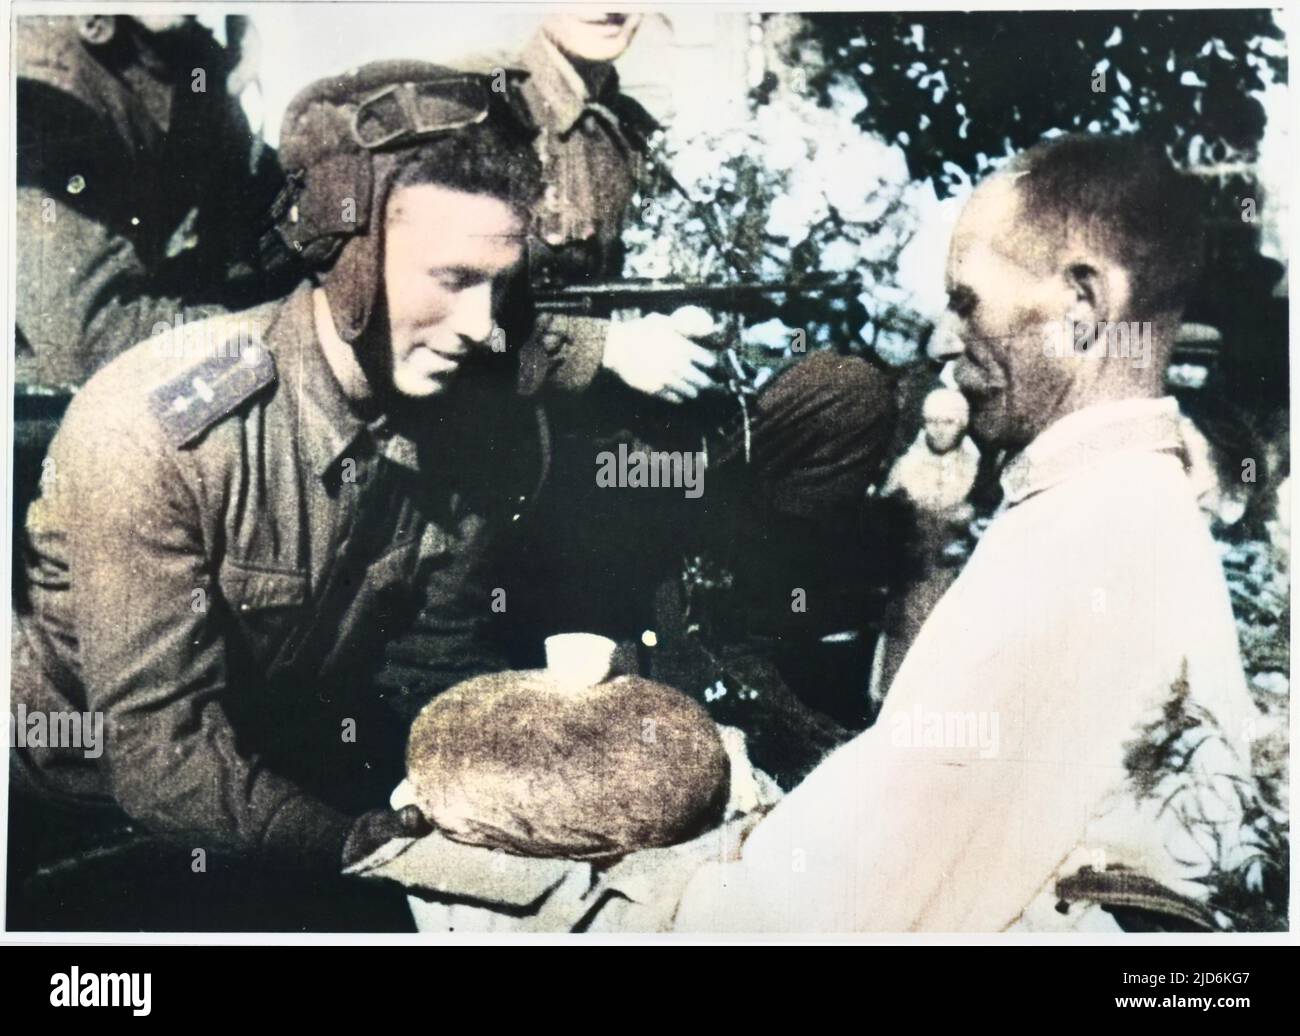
{"x": 602, "y": 298}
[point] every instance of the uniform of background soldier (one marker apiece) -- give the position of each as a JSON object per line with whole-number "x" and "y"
{"x": 142, "y": 192}
{"x": 258, "y": 564}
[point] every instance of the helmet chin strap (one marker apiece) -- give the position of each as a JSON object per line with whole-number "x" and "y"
{"x": 354, "y": 287}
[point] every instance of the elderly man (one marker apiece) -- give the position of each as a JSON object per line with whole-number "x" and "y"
{"x": 1071, "y": 729}
{"x": 259, "y": 552}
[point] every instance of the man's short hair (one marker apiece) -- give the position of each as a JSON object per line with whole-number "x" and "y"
{"x": 1128, "y": 199}
{"x": 481, "y": 159}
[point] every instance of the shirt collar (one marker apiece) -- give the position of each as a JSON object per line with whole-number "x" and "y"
{"x": 1080, "y": 440}
{"x": 554, "y": 82}
{"x": 328, "y": 423}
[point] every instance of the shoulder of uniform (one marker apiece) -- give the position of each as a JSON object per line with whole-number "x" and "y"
{"x": 488, "y": 62}
{"x": 633, "y": 116}
{"x": 44, "y": 46}
{"x": 48, "y": 51}
{"x": 213, "y": 387}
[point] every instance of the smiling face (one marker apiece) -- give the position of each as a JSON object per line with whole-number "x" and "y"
{"x": 1004, "y": 291}
{"x": 447, "y": 257}
{"x": 594, "y": 36}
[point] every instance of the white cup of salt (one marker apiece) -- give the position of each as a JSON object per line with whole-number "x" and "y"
{"x": 577, "y": 660}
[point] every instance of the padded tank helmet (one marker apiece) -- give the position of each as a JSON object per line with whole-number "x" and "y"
{"x": 342, "y": 144}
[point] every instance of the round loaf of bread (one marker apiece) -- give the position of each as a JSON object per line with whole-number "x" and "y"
{"x": 519, "y": 762}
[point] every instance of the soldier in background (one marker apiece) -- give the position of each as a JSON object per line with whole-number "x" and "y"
{"x": 142, "y": 192}
{"x": 612, "y": 559}
{"x": 142, "y": 195}
{"x": 593, "y": 141}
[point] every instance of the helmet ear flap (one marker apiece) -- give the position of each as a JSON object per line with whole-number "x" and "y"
{"x": 354, "y": 281}
{"x": 334, "y": 201}
{"x": 353, "y": 284}
{"x": 326, "y": 219}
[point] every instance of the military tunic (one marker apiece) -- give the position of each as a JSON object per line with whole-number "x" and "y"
{"x": 591, "y": 146}
{"x": 243, "y": 573}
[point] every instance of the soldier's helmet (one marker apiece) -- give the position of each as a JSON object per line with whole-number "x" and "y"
{"x": 342, "y": 143}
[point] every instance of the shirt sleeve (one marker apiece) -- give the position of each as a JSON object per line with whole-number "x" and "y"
{"x": 153, "y": 648}
{"x": 1000, "y": 738}
{"x": 894, "y": 483}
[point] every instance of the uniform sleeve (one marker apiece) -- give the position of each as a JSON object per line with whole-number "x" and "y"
{"x": 153, "y": 649}
{"x": 564, "y": 353}
{"x": 85, "y": 290}
{"x": 82, "y": 291}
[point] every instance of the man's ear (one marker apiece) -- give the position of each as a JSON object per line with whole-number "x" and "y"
{"x": 1099, "y": 286}
{"x": 1089, "y": 291}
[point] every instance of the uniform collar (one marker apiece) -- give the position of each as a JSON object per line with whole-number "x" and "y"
{"x": 554, "y": 81}
{"x": 328, "y": 423}
{"x": 1080, "y": 440}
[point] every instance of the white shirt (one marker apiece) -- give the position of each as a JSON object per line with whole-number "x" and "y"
{"x": 997, "y": 764}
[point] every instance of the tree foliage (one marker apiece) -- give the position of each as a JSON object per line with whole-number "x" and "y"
{"x": 958, "y": 90}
